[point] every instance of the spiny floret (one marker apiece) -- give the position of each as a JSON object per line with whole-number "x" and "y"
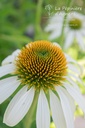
{"x": 41, "y": 64}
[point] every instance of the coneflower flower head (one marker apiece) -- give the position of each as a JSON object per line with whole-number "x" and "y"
{"x": 41, "y": 67}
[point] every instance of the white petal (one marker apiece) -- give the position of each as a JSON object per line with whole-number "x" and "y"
{"x": 78, "y": 16}
{"x": 66, "y": 107}
{"x": 16, "y": 52}
{"x": 72, "y": 61}
{"x": 19, "y": 110}
{"x": 73, "y": 83}
{"x": 69, "y": 40}
{"x": 6, "y": 69}
{"x": 55, "y": 34}
{"x": 14, "y": 101}
{"x": 80, "y": 40}
{"x": 71, "y": 100}
{"x": 56, "y": 44}
{"x": 57, "y": 112}
{"x": 11, "y": 58}
{"x": 83, "y": 31}
{"x": 7, "y": 87}
{"x": 74, "y": 77}
{"x": 69, "y": 59}
{"x": 57, "y": 18}
{"x": 50, "y": 27}
{"x": 43, "y": 114}
{"x": 8, "y": 60}
{"x": 76, "y": 95}
{"x": 73, "y": 68}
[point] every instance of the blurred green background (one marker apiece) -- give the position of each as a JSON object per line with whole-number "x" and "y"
{"x": 23, "y": 21}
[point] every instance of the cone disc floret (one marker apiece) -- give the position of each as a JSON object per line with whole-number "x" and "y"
{"x": 75, "y": 24}
{"x": 41, "y": 64}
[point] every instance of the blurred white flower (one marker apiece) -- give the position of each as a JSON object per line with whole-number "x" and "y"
{"x": 41, "y": 67}
{"x": 74, "y": 28}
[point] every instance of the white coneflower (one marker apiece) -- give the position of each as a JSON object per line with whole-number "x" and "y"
{"x": 74, "y": 28}
{"x": 41, "y": 67}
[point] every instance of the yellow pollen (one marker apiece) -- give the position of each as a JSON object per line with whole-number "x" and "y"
{"x": 41, "y": 64}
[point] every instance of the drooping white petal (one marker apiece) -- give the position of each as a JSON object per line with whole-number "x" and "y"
{"x": 66, "y": 108}
{"x": 71, "y": 100}
{"x": 76, "y": 95}
{"x": 69, "y": 40}
{"x": 74, "y": 77}
{"x": 73, "y": 83}
{"x": 78, "y": 16}
{"x": 83, "y": 30}
{"x": 14, "y": 101}
{"x": 6, "y": 69}
{"x": 19, "y": 110}
{"x": 55, "y": 22}
{"x": 73, "y": 68}
{"x": 69, "y": 59}
{"x": 55, "y": 34}
{"x": 11, "y": 57}
{"x": 43, "y": 114}
{"x": 50, "y": 27}
{"x": 7, "y": 87}
{"x": 56, "y": 44}
{"x": 55, "y": 26}
{"x": 80, "y": 40}
{"x": 57, "y": 112}
{"x": 57, "y": 18}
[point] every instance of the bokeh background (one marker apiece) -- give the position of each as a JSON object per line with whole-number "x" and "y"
{"x": 23, "y": 21}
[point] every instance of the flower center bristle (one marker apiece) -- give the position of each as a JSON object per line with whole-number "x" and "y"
{"x": 41, "y": 64}
{"x": 75, "y": 24}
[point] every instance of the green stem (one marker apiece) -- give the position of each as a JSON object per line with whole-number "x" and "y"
{"x": 69, "y": 4}
{"x": 30, "y": 117}
{"x": 38, "y": 16}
